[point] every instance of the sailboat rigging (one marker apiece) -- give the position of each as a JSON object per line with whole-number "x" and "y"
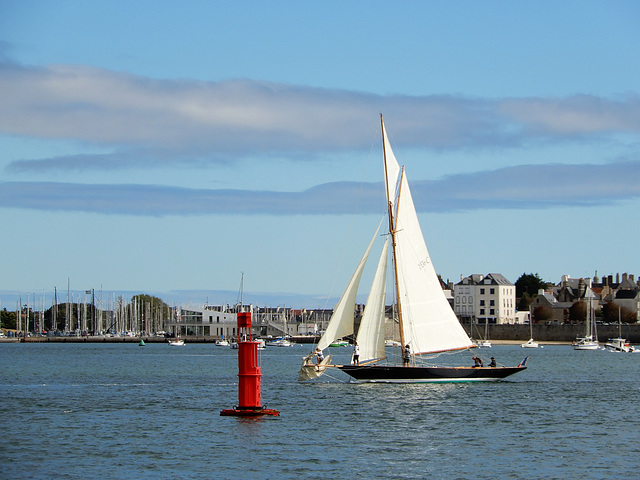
{"x": 427, "y": 324}
{"x": 590, "y": 339}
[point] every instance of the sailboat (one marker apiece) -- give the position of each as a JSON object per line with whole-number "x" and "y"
{"x": 590, "y": 339}
{"x": 485, "y": 342}
{"x": 619, "y": 344}
{"x": 427, "y": 324}
{"x": 531, "y": 343}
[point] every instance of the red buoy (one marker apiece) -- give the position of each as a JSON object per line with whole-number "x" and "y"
{"x": 249, "y": 375}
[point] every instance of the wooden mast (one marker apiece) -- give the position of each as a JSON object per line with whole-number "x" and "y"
{"x": 392, "y": 232}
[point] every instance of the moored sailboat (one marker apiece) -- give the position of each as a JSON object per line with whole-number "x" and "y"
{"x": 427, "y": 324}
{"x": 531, "y": 343}
{"x": 590, "y": 339}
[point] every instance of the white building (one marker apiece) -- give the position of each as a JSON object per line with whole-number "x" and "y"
{"x": 490, "y": 298}
{"x": 208, "y": 321}
{"x": 220, "y": 321}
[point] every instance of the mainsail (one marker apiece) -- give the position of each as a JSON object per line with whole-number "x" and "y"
{"x": 429, "y": 324}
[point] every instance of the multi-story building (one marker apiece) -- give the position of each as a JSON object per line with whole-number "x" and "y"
{"x": 485, "y": 299}
{"x": 220, "y": 321}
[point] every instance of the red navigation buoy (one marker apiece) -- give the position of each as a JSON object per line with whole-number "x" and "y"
{"x": 249, "y": 375}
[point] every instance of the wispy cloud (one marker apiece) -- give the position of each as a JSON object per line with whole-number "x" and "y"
{"x": 521, "y": 187}
{"x": 147, "y": 120}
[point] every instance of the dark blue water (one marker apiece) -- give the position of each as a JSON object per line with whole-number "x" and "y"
{"x": 78, "y": 411}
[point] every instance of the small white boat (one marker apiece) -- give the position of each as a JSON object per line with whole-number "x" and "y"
{"x": 619, "y": 345}
{"x": 339, "y": 343}
{"x": 530, "y": 344}
{"x": 484, "y": 344}
{"x": 391, "y": 343}
{"x": 261, "y": 344}
{"x": 586, "y": 343}
{"x": 222, "y": 343}
{"x": 176, "y": 343}
{"x": 279, "y": 342}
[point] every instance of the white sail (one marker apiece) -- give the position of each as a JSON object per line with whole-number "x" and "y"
{"x": 391, "y": 169}
{"x": 371, "y": 332}
{"x": 428, "y": 321}
{"x": 341, "y": 321}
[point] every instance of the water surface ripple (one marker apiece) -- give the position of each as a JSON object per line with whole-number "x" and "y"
{"x": 84, "y": 411}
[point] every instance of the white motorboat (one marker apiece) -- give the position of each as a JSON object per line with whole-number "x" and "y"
{"x": 176, "y": 343}
{"x": 619, "y": 345}
{"x": 279, "y": 342}
{"x": 222, "y": 343}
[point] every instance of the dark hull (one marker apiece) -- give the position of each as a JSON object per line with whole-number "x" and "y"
{"x": 397, "y": 374}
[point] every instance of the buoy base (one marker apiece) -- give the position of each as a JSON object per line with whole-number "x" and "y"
{"x": 248, "y": 412}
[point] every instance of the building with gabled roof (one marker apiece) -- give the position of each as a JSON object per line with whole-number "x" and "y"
{"x": 483, "y": 299}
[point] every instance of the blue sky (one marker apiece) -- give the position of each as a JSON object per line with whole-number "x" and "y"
{"x": 166, "y": 147}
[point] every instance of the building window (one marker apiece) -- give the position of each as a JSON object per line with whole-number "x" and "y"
{"x": 492, "y": 303}
{"x": 482, "y": 303}
{"x": 482, "y": 311}
{"x": 492, "y": 311}
{"x": 482, "y": 291}
{"x": 492, "y": 291}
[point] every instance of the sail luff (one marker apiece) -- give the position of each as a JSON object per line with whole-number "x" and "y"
{"x": 371, "y": 332}
{"x": 341, "y": 321}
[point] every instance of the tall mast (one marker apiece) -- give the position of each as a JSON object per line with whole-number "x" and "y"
{"x": 392, "y": 232}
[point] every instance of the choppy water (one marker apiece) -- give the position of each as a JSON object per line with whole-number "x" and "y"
{"x": 82, "y": 411}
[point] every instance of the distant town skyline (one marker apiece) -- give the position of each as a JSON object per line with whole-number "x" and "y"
{"x": 198, "y": 298}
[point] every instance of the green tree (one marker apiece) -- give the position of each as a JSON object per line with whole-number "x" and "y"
{"x": 527, "y": 287}
{"x": 8, "y": 319}
{"x": 529, "y": 283}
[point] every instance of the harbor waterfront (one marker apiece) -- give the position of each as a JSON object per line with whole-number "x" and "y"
{"x": 119, "y": 411}
{"x": 506, "y": 333}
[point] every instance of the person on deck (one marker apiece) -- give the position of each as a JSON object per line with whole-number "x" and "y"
{"x": 478, "y": 361}
{"x": 319, "y": 355}
{"x": 493, "y": 362}
{"x": 356, "y": 354}
{"x": 406, "y": 357}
